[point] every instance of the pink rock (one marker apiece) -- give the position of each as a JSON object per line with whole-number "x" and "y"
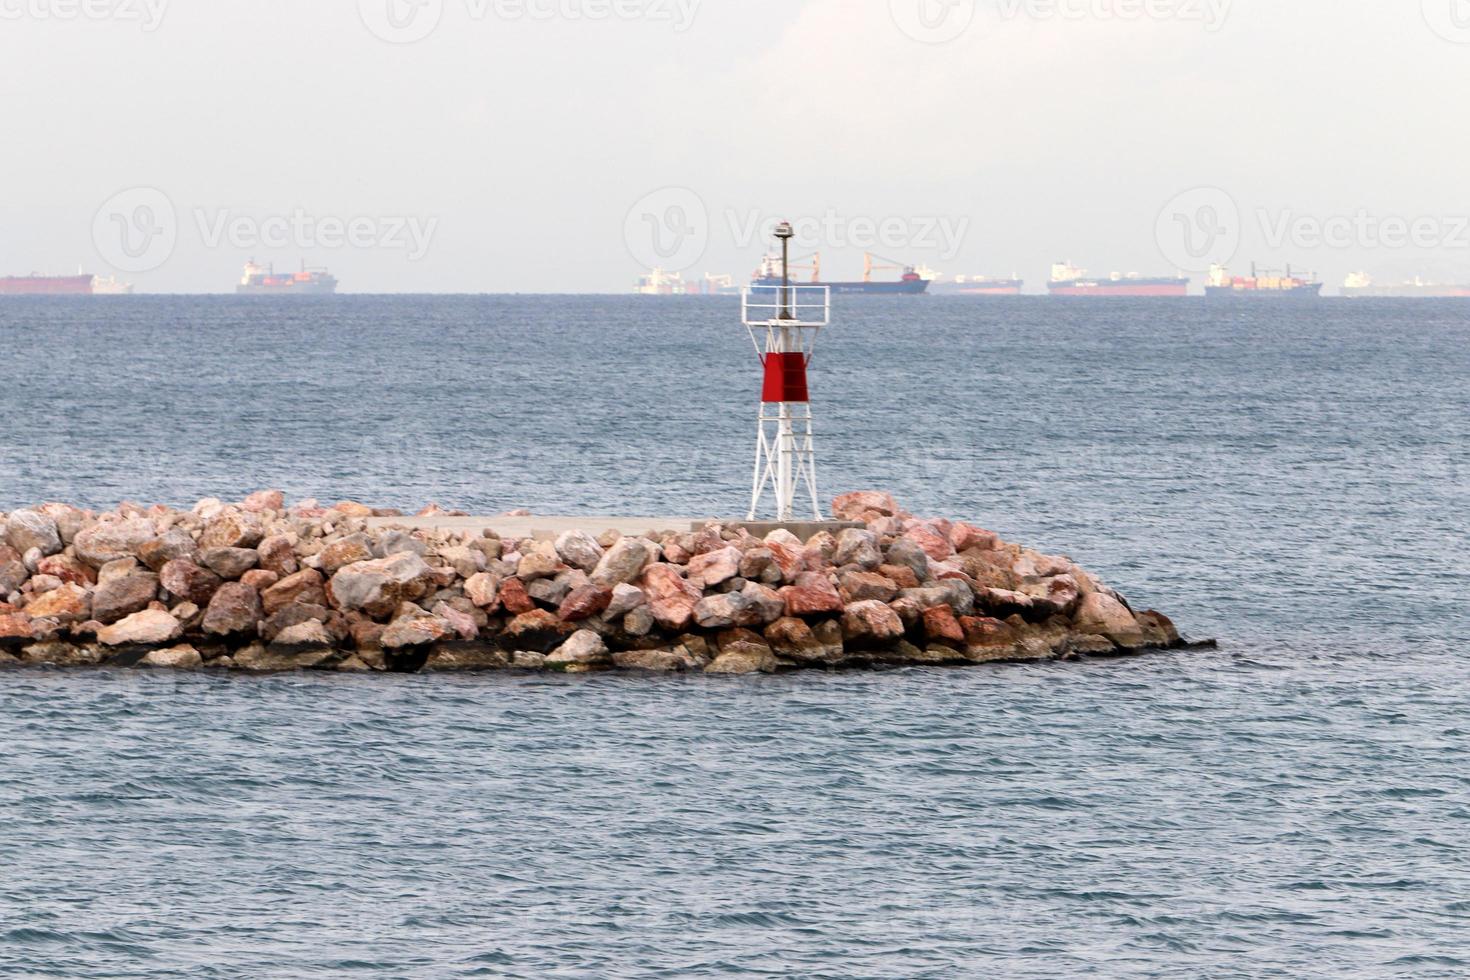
{"x": 189, "y": 582}
{"x": 871, "y": 623}
{"x": 671, "y": 598}
{"x": 935, "y": 544}
{"x": 263, "y": 500}
{"x": 305, "y": 588}
{"x": 69, "y": 604}
{"x": 864, "y": 505}
{"x": 68, "y": 569}
{"x": 232, "y": 529}
{"x": 808, "y": 601}
{"x": 260, "y": 579}
{"x": 584, "y": 603}
{"x": 234, "y": 610}
{"x": 942, "y": 626}
{"x": 418, "y": 632}
{"x": 151, "y": 627}
{"x": 462, "y": 623}
{"x": 515, "y": 598}
{"x": 483, "y": 590}
{"x": 965, "y": 536}
{"x": 713, "y": 567}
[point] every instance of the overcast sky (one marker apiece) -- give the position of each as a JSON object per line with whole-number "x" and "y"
{"x": 565, "y": 145}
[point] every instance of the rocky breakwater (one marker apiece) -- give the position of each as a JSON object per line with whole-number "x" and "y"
{"x": 260, "y": 586}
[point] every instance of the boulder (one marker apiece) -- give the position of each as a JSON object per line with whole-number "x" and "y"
{"x": 766, "y": 604}
{"x": 714, "y": 567}
{"x": 908, "y": 554}
{"x": 1159, "y": 630}
{"x": 870, "y": 624}
{"x": 942, "y": 626}
{"x": 277, "y": 555}
{"x": 16, "y": 627}
{"x": 13, "y": 574}
{"x": 398, "y": 542}
{"x": 856, "y": 546}
{"x": 514, "y": 598}
{"x": 796, "y": 639}
{"x": 308, "y": 634}
{"x": 297, "y": 613}
{"x": 267, "y": 660}
{"x": 625, "y": 598}
{"x": 175, "y": 543}
{"x": 260, "y": 579}
{"x": 263, "y": 500}
{"x": 189, "y": 582}
{"x": 29, "y": 529}
{"x": 449, "y": 657}
{"x": 416, "y": 632}
{"x": 671, "y": 599}
{"x": 579, "y": 550}
{"x": 812, "y": 599}
{"x": 232, "y": 529}
{"x": 151, "y": 627}
{"x": 759, "y": 565}
{"x": 229, "y": 563}
{"x": 69, "y": 604}
{"x": 483, "y": 589}
{"x": 112, "y": 540}
{"x": 935, "y": 545}
{"x": 584, "y": 603}
{"x": 182, "y": 657}
{"x": 664, "y": 661}
{"x": 462, "y": 623}
{"x": 864, "y": 506}
{"x": 67, "y": 569}
{"x": 719, "y": 612}
{"x": 234, "y": 610}
{"x": 346, "y": 551}
{"x": 377, "y": 587}
{"x": 123, "y": 595}
{"x": 858, "y": 586}
{"x": 745, "y": 654}
{"x": 582, "y": 649}
{"x": 624, "y": 562}
{"x": 538, "y": 631}
{"x": 305, "y": 588}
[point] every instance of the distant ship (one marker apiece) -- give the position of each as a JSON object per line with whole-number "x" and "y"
{"x": 1359, "y": 286}
{"x": 1068, "y": 280}
{"x": 909, "y": 284}
{"x": 258, "y": 281}
{"x": 1261, "y": 285}
{"x": 974, "y": 285}
{"x": 37, "y": 285}
{"x": 661, "y": 283}
{"x": 111, "y": 287}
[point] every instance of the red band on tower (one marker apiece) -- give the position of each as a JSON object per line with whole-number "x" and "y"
{"x": 785, "y": 379}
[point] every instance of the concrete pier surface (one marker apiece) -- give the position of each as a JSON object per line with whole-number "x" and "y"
{"x": 548, "y": 528}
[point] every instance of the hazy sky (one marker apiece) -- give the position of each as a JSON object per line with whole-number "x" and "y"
{"x": 564, "y": 145}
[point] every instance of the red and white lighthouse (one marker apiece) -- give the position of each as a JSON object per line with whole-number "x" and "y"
{"x": 784, "y": 322}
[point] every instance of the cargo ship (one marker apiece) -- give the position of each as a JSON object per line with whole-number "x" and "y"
{"x": 976, "y": 285}
{"x": 1261, "y": 284}
{"x": 1068, "y": 280}
{"x": 37, "y": 285}
{"x": 264, "y": 281}
{"x": 111, "y": 286}
{"x": 909, "y": 284}
{"x": 1360, "y": 286}
{"x": 661, "y": 283}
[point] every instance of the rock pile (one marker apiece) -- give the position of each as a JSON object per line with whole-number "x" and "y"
{"x": 258, "y": 586}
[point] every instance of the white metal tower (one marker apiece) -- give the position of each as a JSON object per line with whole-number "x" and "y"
{"x": 788, "y": 319}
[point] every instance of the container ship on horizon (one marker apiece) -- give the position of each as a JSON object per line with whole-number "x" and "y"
{"x": 1360, "y": 286}
{"x": 78, "y": 285}
{"x": 909, "y": 284}
{"x": 974, "y": 285}
{"x": 1068, "y": 280}
{"x": 1260, "y": 285}
{"x": 264, "y": 281}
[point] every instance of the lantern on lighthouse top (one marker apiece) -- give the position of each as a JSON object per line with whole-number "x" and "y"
{"x": 784, "y": 321}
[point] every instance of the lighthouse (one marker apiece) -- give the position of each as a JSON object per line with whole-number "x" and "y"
{"x": 784, "y": 322}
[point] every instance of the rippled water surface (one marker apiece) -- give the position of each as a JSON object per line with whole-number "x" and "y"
{"x": 1292, "y": 480}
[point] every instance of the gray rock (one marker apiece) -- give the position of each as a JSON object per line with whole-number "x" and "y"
{"x": 122, "y": 595}
{"x": 105, "y": 542}
{"x": 31, "y": 529}
{"x": 234, "y": 610}
{"x": 584, "y": 648}
{"x": 230, "y": 563}
{"x": 856, "y": 546}
{"x": 623, "y": 562}
{"x": 579, "y": 550}
{"x": 908, "y": 554}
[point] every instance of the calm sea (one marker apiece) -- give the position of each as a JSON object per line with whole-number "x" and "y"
{"x": 1292, "y": 479}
